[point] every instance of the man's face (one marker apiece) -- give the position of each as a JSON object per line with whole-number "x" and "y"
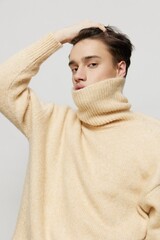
{"x": 91, "y": 62}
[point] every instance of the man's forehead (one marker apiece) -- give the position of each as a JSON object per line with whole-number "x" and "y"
{"x": 87, "y": 47}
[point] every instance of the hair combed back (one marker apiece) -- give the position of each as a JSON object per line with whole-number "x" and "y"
{"x": 117, "y": 43}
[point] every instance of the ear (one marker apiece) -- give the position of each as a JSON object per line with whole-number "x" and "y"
{"x": 121, "y": 69}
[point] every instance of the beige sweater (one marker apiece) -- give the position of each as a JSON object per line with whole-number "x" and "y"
{"x": 93, "y": 174}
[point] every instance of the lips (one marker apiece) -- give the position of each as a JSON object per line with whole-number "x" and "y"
{"x": 78, "y": 87}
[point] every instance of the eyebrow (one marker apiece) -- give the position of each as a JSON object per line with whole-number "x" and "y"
{"x": 84, "y": 59}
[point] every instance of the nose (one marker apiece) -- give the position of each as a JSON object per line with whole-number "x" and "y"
{"x": 80, "y": 75}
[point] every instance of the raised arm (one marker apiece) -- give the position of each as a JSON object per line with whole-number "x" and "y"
{"x": 17, "y": 101}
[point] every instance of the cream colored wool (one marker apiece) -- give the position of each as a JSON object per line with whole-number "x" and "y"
{"x": 93, "y": 174}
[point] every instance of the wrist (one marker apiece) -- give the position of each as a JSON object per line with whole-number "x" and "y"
{"x": 60, "y": 37}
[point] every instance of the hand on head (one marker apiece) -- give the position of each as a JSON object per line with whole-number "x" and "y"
{"x": 66, "y": 34}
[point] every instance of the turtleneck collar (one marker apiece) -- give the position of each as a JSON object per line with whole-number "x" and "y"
{"x": 102, "y": 102}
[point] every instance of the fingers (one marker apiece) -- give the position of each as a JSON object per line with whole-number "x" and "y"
{"x": 67, "y": 34}
{"x": 88, "y": 24}
{"x": 102, "y": 27}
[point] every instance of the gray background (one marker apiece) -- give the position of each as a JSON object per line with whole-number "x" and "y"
{"x": 23, "y": 22}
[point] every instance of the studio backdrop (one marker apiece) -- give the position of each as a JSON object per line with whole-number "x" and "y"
{"x": 23, "y": 22}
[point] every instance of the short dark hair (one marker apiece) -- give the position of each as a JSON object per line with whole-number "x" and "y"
{"x": 118, "y": 44}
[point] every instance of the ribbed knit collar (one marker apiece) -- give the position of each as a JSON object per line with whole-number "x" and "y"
{"x": 102, "y": 102}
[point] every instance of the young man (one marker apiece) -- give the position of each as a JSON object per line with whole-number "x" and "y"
{"x": 93, "y": 174}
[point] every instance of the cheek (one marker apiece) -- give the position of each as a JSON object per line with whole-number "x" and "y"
{"x": 72, "y": 79}
{"x": 109, "y": 70}
{"x": 105, "y": 72}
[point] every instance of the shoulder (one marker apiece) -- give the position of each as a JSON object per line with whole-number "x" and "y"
{"x": 147, "y": 120}
{"x": 146, "y": 125}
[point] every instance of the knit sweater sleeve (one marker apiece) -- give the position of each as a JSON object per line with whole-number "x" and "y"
{"x": 151, "y": 206}
{"x": 17, "y": 101}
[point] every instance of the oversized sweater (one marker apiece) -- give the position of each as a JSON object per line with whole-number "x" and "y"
{"x": 94, "y": 172}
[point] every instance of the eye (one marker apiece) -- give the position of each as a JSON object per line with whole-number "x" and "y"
{"x": 74, "y": 69}
{"x": 92, "y": 65}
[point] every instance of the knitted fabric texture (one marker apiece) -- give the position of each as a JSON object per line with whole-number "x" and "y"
{"x": 93, "y": 173}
